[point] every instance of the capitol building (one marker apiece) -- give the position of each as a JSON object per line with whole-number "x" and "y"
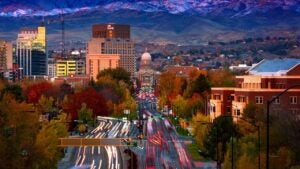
{"x": 146, "y": 73}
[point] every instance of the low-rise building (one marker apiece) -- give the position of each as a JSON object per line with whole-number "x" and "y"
{"x": 264, "y": 81}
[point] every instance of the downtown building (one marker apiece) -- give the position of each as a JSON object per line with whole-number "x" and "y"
{"x": 6, "y": 58}
{"x": 31, "y": 55}
{"x": 110, "y": 47}
{"x": 69, "y": 67}
{"x": 264, "y": 81}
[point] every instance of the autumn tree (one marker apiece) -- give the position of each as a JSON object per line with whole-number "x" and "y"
{"x": 170, "y": 86}
{"x": 93, "y": 100}
{"x": 221, "y": 78}
{"x": 200, "y": 126}
{"x": 19, "y": 122}
{"x": 47, "y": 153}
{"x": 45, "y": 105}
{"x": 35, "y": 91}
{"x": 118, "y": 74}
{"x": 15, "y": 90}
{"x": 179, "y": 107}
{"x": 111, "y": 89}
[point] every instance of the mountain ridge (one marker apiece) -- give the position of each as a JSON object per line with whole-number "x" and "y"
{"x": 233, "y": 8}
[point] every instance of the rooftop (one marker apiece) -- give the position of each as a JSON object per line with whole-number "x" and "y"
{"x": 274, "y": 67}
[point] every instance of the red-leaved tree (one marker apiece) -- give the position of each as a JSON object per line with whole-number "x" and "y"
{"x": 93, "y": 100}
{"x": 35, "y": 91}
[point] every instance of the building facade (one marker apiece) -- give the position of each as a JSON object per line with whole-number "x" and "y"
{"x": 97, "y": 62}
{"x": 111, "y": 31}
{"x": 31, "y": 51}
{"x": 6, "y": 59}
{"x": 113, "y": 39}
{"x": 263, "y": 82}
{"x": 69, "y": 67}
{"x": 51, "y": 67}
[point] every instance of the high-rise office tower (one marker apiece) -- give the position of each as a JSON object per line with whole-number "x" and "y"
{"x": 31, "y": 51}
{"x": 6, "y": 56}
{"x": 110, "y": 41}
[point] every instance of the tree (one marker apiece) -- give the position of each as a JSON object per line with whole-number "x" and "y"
{"x": 200, "y": 129}
{"x": 15, "y": 90}
{"x": 253, "y": 112}
{"x": 118, "y": 74}
{"x": 195, "y": 103}
{"x": 200, "y": 85}
{"x": 47, "y": 153}
{"x": 166, "y": 83}
{"x": 85, "y": 114}
{"x": 20, "y": 125}
{"x": 93, "y": 100}
{"x": 219, "y": 134}
{"x": 221, "y": 78}
{"x": 45, "y": 105}
{"x": 179, "y": 106}
{"x": 35, "y": 91}
{"x": 110, "y": 88}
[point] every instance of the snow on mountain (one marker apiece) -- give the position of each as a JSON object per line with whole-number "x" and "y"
{"x": 17, "y": 8}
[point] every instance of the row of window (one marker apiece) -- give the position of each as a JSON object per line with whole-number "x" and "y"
{"x": 260, "y": 100}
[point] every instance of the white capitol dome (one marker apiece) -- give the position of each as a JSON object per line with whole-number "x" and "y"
{"x": 146, "y": 56}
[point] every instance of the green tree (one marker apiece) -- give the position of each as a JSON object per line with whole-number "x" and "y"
{"x": 85, "y": 114}
{"x": 118, "y": 74}
{"x": 179, "y": 106}
{"x": 253, "y": 112}
{"x": 200, "y": 126}
{"x": 45, "y": 105}
{"x": 219, "y": 134}
{"x": 200, "y": 85}
{"x": 15, "y": 90}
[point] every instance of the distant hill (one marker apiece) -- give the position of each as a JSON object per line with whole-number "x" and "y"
{"x": 179, "y": 22}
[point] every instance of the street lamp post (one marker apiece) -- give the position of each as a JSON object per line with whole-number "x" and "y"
{"x": 269, "y": 102}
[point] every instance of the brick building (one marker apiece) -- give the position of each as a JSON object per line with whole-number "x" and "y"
{"x": 263, "y": 82}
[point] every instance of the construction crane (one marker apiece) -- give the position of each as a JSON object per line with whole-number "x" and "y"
{"x": 62, "y": 22}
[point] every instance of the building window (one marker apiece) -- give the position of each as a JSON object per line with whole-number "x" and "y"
{"x": 213, "y": 109}
{"x": 293, "y": 99}
{"x": 259, "y": 100}
{"x": 277, "y": 100}
{"x": 237, "y": 112}
{"x": 228, "y": 110}
{"x": 242, "y": 99}
{"x": 229, "y": 98}
{"x": 217, "y": 97}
